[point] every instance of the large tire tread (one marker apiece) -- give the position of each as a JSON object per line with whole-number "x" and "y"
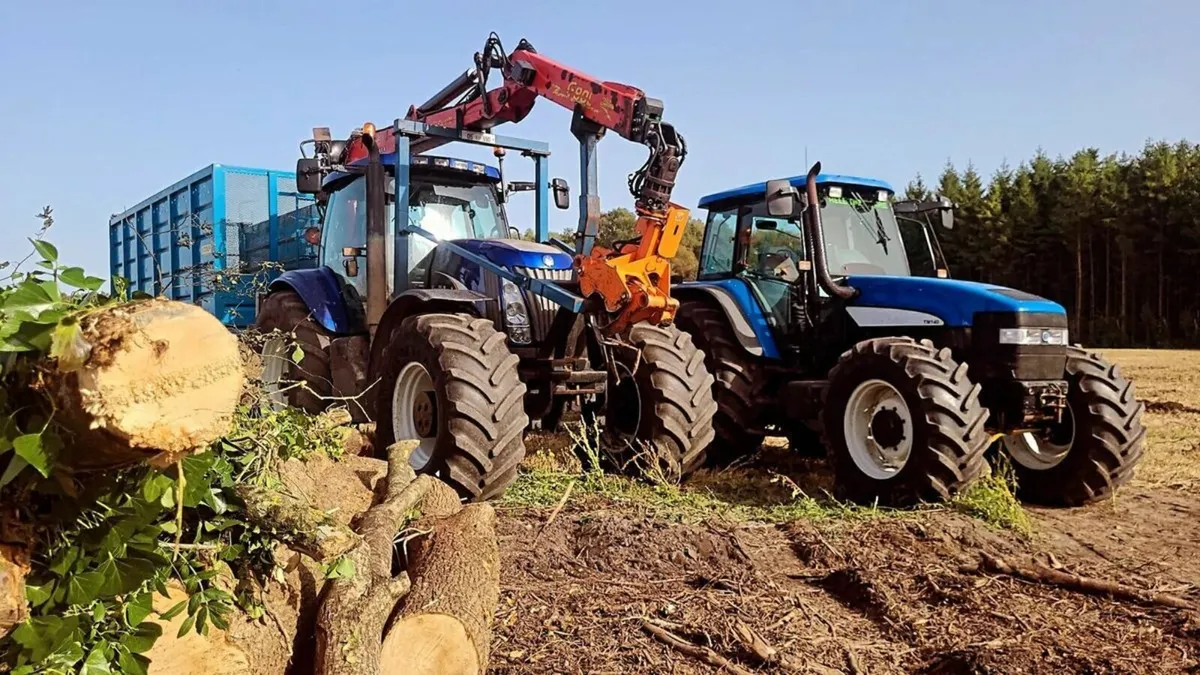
{"x": 480, "y": 441}
{"x": 677, "y": 399}
{"x": 1108, "y": 417}
{"x": 950, "y": 439}
{"x": 287, "y": 312}
{"x": 738, "y": 380}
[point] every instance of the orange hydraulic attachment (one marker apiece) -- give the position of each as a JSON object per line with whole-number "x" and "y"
{"x": 635, "y": 280}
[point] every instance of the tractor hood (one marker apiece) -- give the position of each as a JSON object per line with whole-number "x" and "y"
{"x": 896, "y": 301}
{"x": 518, "y": 253}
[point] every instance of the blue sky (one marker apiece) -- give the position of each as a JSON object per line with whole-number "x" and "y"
{"x": 104, "y": 103}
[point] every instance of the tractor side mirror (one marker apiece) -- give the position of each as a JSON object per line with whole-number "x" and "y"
{"x": 312, "y": 235}
{"x": 947, "y": 211}
{"x": 562, "y": 193}
{"x": 782, "y": 198}
{"x": 308, "y": 176}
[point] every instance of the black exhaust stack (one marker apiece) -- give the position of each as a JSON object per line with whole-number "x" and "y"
{"x": 817, "y": 237}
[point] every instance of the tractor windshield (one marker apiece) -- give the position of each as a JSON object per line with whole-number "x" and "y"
{"x": 457, "y": 211}
{"x": 862, "y": 237}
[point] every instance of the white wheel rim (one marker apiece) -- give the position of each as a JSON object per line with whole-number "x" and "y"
{"x": 1039, "y": 452}
{"x": 876, "y": 408}
{"x": 274, "y": 370}
{"x": 414, "y": 410}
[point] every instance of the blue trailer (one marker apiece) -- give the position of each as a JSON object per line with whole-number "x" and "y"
{"x": 215, "y": 239}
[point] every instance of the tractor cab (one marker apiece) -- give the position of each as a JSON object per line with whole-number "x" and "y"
{"x": 453, "y": 199}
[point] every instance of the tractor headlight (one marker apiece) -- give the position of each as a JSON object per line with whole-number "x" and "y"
{"x": 1033, "y": 336}
{"x": 516, "y": 314}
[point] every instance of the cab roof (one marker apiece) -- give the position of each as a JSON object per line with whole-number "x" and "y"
{"x": 757, "y": 190}
{"x": 442, "y": 163}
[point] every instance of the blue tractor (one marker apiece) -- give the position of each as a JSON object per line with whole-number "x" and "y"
{"x": 429, "y": 314}
{"x": 826, "y": 314}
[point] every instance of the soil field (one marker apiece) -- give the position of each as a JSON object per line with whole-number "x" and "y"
{"x": 754, "y": 569}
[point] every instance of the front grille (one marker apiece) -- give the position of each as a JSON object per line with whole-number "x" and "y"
{"x": 541, "y": 310}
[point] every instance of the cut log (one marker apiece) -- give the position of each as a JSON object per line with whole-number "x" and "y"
{"x": 148, "y": 380}
{"x": 445, "y": 623}
{"x": 14, "y": 566}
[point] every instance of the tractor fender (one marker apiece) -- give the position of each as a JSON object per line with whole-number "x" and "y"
{"x": 334, "y": 303}
{"x": 419, "y": 301}
{"x": 723, "y": 298}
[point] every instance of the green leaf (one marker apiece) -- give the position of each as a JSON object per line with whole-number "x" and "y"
{"x": 29, "y": 447}
{"x": 85, "y": 587}
{"x": 297, "y": 354}
{"x": 196, "y": 489}
{"x": 30, "y": 298}
{"x": 124, "y": 575}
{"x": 74, "y": 276}
{"x": 174, "y": 611}
{"x": 133, "y": 664}
{"x": 15, "y": 466}
{"x": 63, "y": 560}
{"x": 154, "y": 488}
{"x": 343, "y": 568}
{"x": 45, "y": 249}
{"x": 142, "y": 639}
{"x": 98, "y": 611}
{"x": 97, "y": 662}
{"x": 37, "y": 594}
{"x": 68, "y": 347}
{"x": 138, "y": 608}
{"x": 187, "y": 625}
{"x": 29, "y": 337}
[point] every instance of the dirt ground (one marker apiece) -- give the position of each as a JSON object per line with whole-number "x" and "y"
{"x": 890, "y": 594}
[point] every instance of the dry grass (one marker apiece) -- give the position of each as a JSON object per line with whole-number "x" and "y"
{"x": 1168, "y": 381}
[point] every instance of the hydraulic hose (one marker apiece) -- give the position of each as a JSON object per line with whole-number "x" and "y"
{"x": 817, "y": 236}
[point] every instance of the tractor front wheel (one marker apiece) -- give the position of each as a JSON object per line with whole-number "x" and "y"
{"x": 450, "y": 381}
{"x": 903, "y": 423}
{"x": 303, "y": 382}
{"x": 1093, "y": 450}
{"x": 659, "y": 410}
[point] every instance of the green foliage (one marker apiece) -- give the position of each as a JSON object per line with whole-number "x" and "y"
{"x": 992, "y": 500}
{"x": 104, "y": 545}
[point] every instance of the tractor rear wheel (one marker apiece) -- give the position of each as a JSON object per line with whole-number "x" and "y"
{"x": 737, "y": 381}
{"x": 659, "y": 412}
{"x": 298, "y": 383}
{"x": 1093, "y": 450}
{"x": 450, "y": 381}
{"x": 903, "y": 423}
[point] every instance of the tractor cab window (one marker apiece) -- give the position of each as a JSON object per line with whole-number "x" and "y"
{"x": 919, "y": 248}
{"x": 445, "y": 210}
{"x": 776, "y": 248}
{"x": 773, "y": 259}
{"x": 716, "y": 255}
{"x": 861, "y": 237}
{"x": 345, "y": 226}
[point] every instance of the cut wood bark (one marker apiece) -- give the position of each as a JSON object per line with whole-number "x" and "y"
{"x": 445, "y": 622}
{"x": 309, "y": 530}
{"x": 1048, "y": 575}
{"x": 14, "y": 566}
{"x": 148, "y": 380}
{"x": 355, "y": 610}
